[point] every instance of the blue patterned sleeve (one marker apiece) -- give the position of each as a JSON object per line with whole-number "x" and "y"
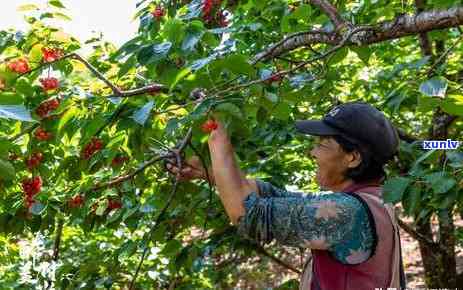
{"x": 336, "y": 222}
{"x": 266, "y": 189}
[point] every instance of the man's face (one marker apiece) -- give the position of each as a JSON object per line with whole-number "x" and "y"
{"x": 331, "y": 160}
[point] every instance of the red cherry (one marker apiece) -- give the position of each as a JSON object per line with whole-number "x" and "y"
{"x": 51, "y": 54}
{"x": 274, "y": 78}
{"x": 158, "y": 13}
{"x": 42, "y": 135}
{"x": 19, "y": 66}
{"x": 209, "y": 126}
{"x": 34, "y": 160}
{"x": 114, "y": 204}
{"x": 32, "y": 186}
{"x": 118, "y": 160}
{"x": 49, "y": 84}
{"x": 91, "y": 148}
{"x": 46, "y": 107}
{"x": 76, "y": 201}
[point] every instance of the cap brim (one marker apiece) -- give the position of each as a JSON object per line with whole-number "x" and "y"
{"x": 316, "y": 128}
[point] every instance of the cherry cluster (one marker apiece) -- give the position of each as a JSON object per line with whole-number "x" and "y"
{"x": 51, "y": 54}
{"x": 208, "y": 13}
{"x": 34, "y": 160}
{"x": 19, "y": 66}
{"x": 49, "y": 84}
{"x": 76, "y": 201}
{"x": 42, "y": 135}
{"x": 114, "y": 204}
{"x": 118, "y": 160}
{"x": 91, "y": 148}
{"x": 209, "y": 126}
{"x": 46, "y": 107}
{"x": 158, "y": 13}
{"x": 31, "y": 186}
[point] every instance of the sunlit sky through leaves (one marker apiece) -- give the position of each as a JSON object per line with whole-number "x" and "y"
{"x": 89, "y": 17}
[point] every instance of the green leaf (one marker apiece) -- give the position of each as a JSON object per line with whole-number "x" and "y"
{"x": 231, "y": 109}
{"x": 180, "y": 75}
{"x": 67, "y": 116}
{"x": 338, "y": 56}
{"x": 10, "y": 98}
{"x": 24, "y": 86}
{"x": 440, "y": 182}
{"x": 92, "y": 127}
{"x": 174, "y": 30}
{"x": 141, "y": 115}
{"x": 237, "y": 63}
{"x": 7, "y": 171}
{"x": 199, "y": 63}
{"x": 15, "y": 112}
{"x": 453, "y": 105}
{"x": 282, "y": 111}
{"x": 435, "y": 87}
{"x": 191, "y": 40}
{"x": 153, "y": 53}
{"x": 37, "y": 208}
{"x": 127, "y": 250}
{"x": 102, "y": 206}
{"x": 56, "y": 3}
{"x": 414, "y": 199}
{"x": 363, "y": 52}
{"x": 61, "y": 16}
{"x": 394, "y": 189}
{"x": 28, "y": 7}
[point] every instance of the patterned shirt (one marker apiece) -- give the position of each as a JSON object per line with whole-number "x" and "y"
{"x": 336, "y": 222}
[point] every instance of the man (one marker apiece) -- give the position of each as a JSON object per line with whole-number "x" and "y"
{"x": 353, "y": 235}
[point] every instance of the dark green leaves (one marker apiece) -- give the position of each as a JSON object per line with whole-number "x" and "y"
{"x": 15, "y": 112}
{"x": 10, "y": 98}
{"x": 394, "y": 189}
{"x": 435, "y": 87}
{"x": 7, "y": 171}
{"x": 440, "y": 182}
{"x": 154, "y": 53}
{"x": 143, "y": 113}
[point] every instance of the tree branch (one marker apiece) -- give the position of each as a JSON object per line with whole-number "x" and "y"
{"x": 342, "y": 43}
{"x": 331, "y": 12}
{"x": 116, "y": 91}
{"x": 179, "y": 160}
{"x": 59, "y": 233}
{"x": 425, "y": 44}
{"x": 419, "y": 237}
{"x": 401, "y": 26}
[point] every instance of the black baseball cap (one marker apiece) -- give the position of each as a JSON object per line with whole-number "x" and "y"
{"x": 359, "y": 123}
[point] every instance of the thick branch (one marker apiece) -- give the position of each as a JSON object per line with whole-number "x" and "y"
{"x": 425, "y": 44}
{"x": 403, "y": 25}
{"x": 419, "y": 237}
{"x": 116, "y": 91}
{"x": 331, "y": 11}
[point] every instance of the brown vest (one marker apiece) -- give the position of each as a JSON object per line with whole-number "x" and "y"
{"x": 382, "y": 269}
